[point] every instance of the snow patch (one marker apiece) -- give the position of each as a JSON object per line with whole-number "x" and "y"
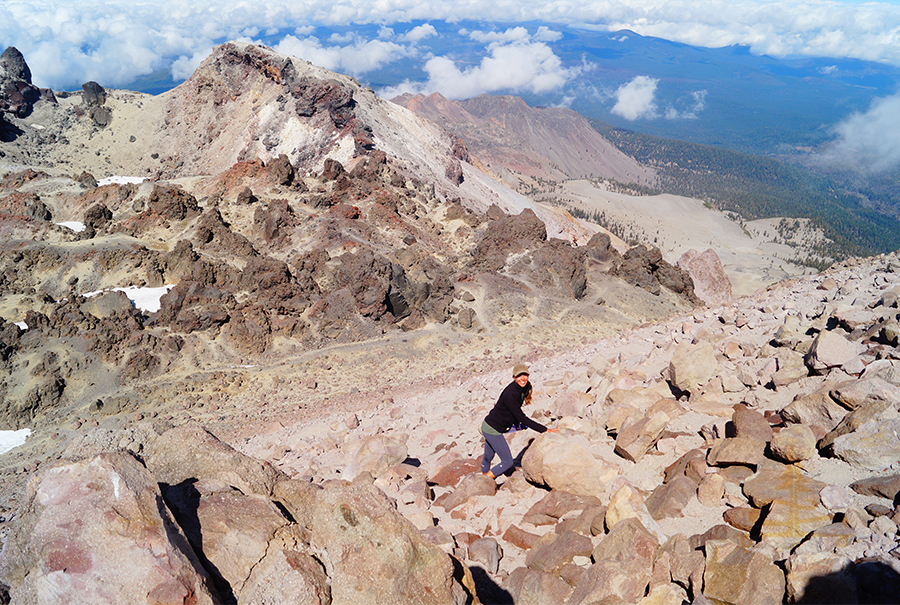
{"x": 121, "y": 180}
{"x": 75, "y": 226}
{"x": 12, "y": 439}
{"x": 145, "y": 299}
{"x": 22, "y": 325}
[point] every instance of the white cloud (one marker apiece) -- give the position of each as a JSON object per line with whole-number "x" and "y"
{"x": 545, "y": 34}
{"x": 867, "y": 142}
{"x": 517, "y": 67}
{"x": 183, "y": 67}
{"x": 67, "y": 42}
{"x": 514, "y": 34}
{"x": 636, "y": 99}
{"x": 420, "y": 32}
{"x": 355, "y": 58}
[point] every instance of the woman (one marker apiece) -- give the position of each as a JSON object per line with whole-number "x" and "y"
{"x": 507, "y": 413}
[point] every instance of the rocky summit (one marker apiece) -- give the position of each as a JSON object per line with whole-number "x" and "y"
{"x": 341, "y": 295}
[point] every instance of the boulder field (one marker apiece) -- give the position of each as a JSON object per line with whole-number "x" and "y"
{"x": 745, "y": 453}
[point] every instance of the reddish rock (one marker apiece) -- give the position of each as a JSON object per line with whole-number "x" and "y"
{"x": 552, "y": 551}
{"x": 450, "y": 474}
{"x": 552, "y": 507}
{"x": 97, "y": 531}
{"x": 519, "y": 537}
{"x": 743, "y": 518}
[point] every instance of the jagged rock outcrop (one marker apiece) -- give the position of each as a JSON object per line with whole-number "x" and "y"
{"x": 645, "y": 267}
{"x": 17, "y": 94}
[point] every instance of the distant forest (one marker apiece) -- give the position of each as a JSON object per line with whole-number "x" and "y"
{"x": 755, "y": 187}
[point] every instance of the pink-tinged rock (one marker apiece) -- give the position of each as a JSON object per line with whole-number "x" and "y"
{"x": 692, "y": 366}
{"x": 875, "y": 412}
{"x": 874, "y": 446}
{"x": 711, "y": 284}
{"x": 450, "y": 474}
{"x": 636, "y": 439}
{"x": 821, "y": 577}
{"x": 794, "y": 443}
{"x": 692, "y": 465}
{"x": 286, "y": 576}
{"x": 787, "y": 483}
{"x": 519, "y": 537}
{"x": 560, "y": 463}
{"x": 736, "y": 450}
{"x": 231, "y": 529}
{"x": 740, "y": 576}
{"x": 830, "y": 350}
{"x": 676, "y": 561}
{"x": 97, "y": 532}
{"x": 619, "y": 416}
{"x": 372, "y": 554}
{"x": 883, "y": 487}
{"x": 751, "y": 424}
{"x": 627, "y": 503}
{"x": 532, "y": 587}
{"x": 191, "y": 452}
{"x": 553, "y": 551}
{"x": 711, "y": 490}
{"x": 487, "y": 552}
{"x": 835, "y": 498}
{"x": 742, "y": 517}
{"x": 669, "y": 499}
{"x": 623, "y": 564}
{"x": 556, "y": 504}
{"x": 472, "y": 485}
{"x": 830, "y": 538}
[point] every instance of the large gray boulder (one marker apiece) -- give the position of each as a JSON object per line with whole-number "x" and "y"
{"x": 191, "y": 452}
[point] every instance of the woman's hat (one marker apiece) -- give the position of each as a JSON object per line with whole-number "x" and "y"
{"x": 519, "y": 369}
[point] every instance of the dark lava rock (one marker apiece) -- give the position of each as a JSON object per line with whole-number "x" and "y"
{"x": 645, "y": 267}
{"x": 281, "y": 170}
{"x": 508, "y": 235}
{"x": 102, "y": 116}
{"x": 97, "y": 216}
{"x": 600, "y": 249}
{"x": 191, "y": 306}
{"x": 332, "y": 170}
{"x": 275, "y": 222}
{"x": 12, "y": 62}
{"x": 93, "y": 94}
{"x": 558, "y": 264}
{"x": 17, "y": 94}
{"x": 172, "y": 202}
{"x": 245, "y": 197}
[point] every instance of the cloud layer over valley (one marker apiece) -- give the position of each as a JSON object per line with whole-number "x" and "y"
{"x": 68, "y": 42}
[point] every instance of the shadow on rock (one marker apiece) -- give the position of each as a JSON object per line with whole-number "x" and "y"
{"x": 184, "y": 501}
{"x": 488, "y": 591}
{"x": 865, "y": 581}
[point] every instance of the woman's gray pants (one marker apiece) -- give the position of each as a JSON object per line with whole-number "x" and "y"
{"x": 496, "y": 444}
